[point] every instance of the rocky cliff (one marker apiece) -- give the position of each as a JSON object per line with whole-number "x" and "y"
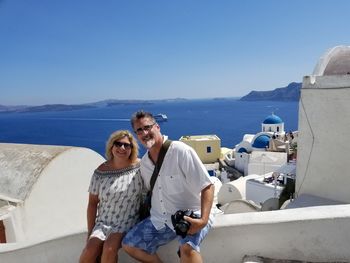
{"x": 288, "y": 93}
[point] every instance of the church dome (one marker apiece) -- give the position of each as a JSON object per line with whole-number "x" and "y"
{"x": 272, "y": 119}
{"x": 242, "y": 150}
{"x": 261, "y": 141}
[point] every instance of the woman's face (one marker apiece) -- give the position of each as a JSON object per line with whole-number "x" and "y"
{"x": 122, "y": 148}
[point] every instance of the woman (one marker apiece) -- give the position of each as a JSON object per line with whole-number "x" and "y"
{"x": 114, "y": 199}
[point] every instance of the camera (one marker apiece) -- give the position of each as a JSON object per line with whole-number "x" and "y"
{"x": 181, "y": 226}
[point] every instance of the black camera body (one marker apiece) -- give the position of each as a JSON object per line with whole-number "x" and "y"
{"x": 182, "y": 226}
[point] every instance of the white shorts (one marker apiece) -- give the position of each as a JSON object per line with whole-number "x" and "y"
{"x": 102, "y": 232}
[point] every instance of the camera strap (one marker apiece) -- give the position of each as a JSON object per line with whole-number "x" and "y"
{"x": 159, "y": 163}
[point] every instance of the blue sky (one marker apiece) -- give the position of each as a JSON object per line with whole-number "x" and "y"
{"x": 75, "y": 51}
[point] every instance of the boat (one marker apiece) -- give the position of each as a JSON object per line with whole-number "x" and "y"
{"x": 160, "y": 117}
{"x": 44, "y": 217}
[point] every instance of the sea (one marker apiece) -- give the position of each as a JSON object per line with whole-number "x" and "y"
{"x": 229, "y": 119}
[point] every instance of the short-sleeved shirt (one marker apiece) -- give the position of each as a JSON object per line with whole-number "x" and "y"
{"x": 181, "y": 179}
{"x": 119, "y": 193}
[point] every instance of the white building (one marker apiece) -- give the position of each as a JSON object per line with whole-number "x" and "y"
{"x": 44, "y": 190}
{"x": 254, "y": 154}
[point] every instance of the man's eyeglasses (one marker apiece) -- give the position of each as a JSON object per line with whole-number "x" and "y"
{"x": 120, "y": 144}
{"x": 145, "y": 128}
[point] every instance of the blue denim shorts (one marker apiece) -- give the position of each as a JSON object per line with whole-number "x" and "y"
{"x": 146, "y": 237}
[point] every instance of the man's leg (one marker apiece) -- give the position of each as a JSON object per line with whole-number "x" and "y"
{"x": 190, "y": 245}
{"x": 188, "y": 254}
{"x": 143, "y": 240}
{"x": 141, "y": 255}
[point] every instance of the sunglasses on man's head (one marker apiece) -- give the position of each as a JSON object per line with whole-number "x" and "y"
{"x": 120, "y": 144}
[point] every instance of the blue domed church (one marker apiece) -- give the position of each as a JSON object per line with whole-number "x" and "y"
{"x": 273, "y": 123}
{"x": 268, "y": 146}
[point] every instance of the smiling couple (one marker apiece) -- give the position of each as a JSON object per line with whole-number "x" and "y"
{"x": 182, "y": 183}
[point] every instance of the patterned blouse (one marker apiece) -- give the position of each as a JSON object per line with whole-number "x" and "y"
{"x": 119, "y": 193}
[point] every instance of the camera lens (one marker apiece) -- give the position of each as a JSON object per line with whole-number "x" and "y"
{"x": 183, "y": 227}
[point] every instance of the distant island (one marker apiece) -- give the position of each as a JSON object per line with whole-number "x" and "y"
{"x": 288, "y": 93}
{"x": 70, "y": 107}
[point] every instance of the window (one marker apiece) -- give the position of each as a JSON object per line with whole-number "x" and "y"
{"x": 2, "y": 232}
{"x": 208, "y": 149}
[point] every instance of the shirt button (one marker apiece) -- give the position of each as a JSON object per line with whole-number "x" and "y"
{"x": 161, "y": 201}
{"x": 163, "y": 213}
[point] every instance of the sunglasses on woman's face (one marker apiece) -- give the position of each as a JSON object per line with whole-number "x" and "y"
{"x": 120, "y": 144}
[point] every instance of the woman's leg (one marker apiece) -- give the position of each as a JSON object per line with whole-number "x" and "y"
{"x": 111, "y": 247}
{"x": 91, "y": 251}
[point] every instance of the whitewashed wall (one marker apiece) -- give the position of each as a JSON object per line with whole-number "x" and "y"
{"x": 323, "y": 148}
{"x": 58, "y": 201}
{"x": 309, "y": 234}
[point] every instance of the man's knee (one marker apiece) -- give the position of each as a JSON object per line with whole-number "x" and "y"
{"x": 186, "y": 250}
{"x": 128, "y": 249}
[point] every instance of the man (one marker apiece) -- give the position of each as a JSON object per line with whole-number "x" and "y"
{"x": 183, "y": 183}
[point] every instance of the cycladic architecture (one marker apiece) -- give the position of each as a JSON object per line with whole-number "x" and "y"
{"x": 206, "y": 146}
{"x": 324, "y": 122}
{"x": 265, "y": 151}
{"x": 43, "y": 190}
{"x": 311, "y": 227}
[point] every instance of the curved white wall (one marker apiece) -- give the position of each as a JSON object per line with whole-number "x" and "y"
{"x": 58, "y": 201}
{"x": 323, "y": 148}
{"x": 48, "y": 185}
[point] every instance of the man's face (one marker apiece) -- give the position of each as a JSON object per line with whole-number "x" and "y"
{"x": 146, "y": 131}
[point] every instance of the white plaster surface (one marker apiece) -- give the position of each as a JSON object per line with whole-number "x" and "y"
{"x": 336, "y": 61}
{"x": 323, "y": 148}
{"x": 21, "y": 166}
{"x": 309, "y": 234}
{"x": 234, "y": 190}
{"x": 55, "y": 181}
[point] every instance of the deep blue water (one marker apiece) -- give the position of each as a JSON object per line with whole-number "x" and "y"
{"x": 229, "y": 119}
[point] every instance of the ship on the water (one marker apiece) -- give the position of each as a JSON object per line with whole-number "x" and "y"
{"x": 160, "y": 117}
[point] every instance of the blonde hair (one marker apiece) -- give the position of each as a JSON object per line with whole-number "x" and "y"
{"x": 119, "y": 135}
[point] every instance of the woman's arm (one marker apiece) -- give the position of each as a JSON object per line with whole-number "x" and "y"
{"x": 92, "y": 212}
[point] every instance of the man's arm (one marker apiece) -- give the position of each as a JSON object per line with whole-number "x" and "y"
{"x": 207, "y": 197}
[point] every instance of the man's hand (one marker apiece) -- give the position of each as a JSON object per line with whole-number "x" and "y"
{"x": 196, "y": 224}
{"x": 207, "y": 196}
